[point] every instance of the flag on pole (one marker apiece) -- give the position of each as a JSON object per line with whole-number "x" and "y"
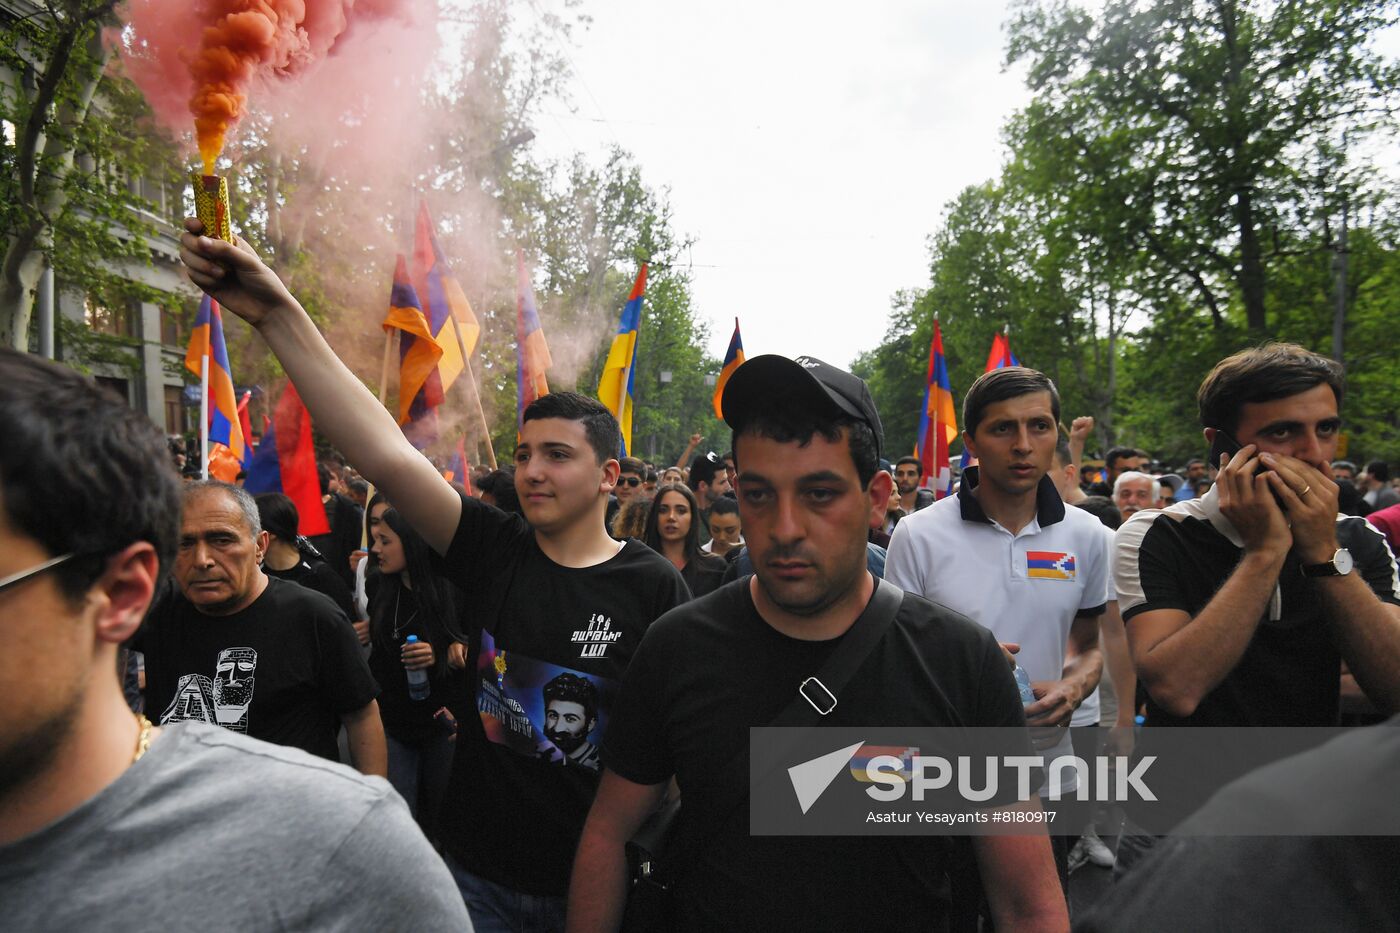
{"x": 458, "y": 469}
{"x": 938, "y": 422}
{"x": 221, "y": 406}
{"x": 442, "y": 300}
{"x": 733, "y": 359}
{"x": 531, "y": 352}
{"x": 286, "y": 462}
{"x": 615, "y": 388}
{"x": 420, "y": 382}
{"x": 244, "y": 422}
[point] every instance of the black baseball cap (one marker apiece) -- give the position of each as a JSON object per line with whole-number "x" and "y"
{"x": 769, "y": 382}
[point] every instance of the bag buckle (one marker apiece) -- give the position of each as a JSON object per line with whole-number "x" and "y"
{"x": 824, "y": 698}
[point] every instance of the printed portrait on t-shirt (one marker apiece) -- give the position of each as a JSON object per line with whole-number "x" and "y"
{"x": 222, "y": 700}
{"x": 542, "y": 710}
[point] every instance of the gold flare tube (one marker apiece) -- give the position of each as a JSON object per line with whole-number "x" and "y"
{"x": 211, "y": 205}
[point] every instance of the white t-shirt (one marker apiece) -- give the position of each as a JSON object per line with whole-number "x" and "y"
{"x": 1090, "y": 711}
{"x": 1025, "y": 587}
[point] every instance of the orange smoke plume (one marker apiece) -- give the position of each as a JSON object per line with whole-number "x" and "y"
{"x": 242, "y": 36}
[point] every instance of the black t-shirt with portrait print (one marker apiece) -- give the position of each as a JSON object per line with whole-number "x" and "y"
{"x": 713, "y": 669}
{"x": 282, "y": 670}
{"x": 544, "y": 668}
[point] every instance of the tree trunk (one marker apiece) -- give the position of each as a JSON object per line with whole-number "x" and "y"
{"x": 24, "y": 252}
{"x": 1251, "y": 274}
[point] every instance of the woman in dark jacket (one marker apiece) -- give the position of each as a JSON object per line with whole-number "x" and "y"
{"x": 412, "y": 600}
{"x": 673, "y": 531}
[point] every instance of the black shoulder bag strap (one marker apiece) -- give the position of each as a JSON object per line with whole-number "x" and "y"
{"x": 816, "y": 697}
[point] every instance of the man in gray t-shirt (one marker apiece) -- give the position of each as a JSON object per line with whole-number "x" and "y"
{"x": 107, "y": 822}
{"x": 214, "y": 829}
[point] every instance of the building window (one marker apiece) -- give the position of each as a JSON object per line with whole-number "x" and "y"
{"x": 119, "y": 321}
{"x": 177, "y": 419}
{"x": 172, "y": 326}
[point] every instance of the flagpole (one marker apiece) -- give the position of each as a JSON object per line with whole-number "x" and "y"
{"x": 475, "y": 393}
{"x": 204, "y": 416}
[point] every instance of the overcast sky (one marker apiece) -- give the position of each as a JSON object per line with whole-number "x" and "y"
{"x": 808, "y": 148}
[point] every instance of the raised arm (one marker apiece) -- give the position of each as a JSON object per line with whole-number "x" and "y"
{"x": 341, "y": 406}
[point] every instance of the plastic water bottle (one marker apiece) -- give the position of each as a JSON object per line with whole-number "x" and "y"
{"x": 1023, "y": 680}
{"x": 418, "y": 688}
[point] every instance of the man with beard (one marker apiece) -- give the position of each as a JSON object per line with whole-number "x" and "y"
{"x": 252, "y": 653}
{"x": 908, "y": 471}
{"x": 570, "y": 715}
{"x": 807, "y": 447}
{"x": 106, "y": 820}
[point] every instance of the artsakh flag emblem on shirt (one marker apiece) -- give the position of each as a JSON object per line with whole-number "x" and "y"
{"x": 1050, "y": 565}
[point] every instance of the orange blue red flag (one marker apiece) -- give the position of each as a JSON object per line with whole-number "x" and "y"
{"x": 442, "y": 300}
{"x": 285, "y": 462}
{"x": 938, "y": 422}
{"x": 733, "y": 359}
{"x": 207, "y": 341}
{"x": 615, "y": 389}
{"x": 420, "y": 385}
{"x": 531, "y": 352}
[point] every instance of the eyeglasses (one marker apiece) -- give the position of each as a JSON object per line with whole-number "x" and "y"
{"x": 15, "y": 579}
{"x": 629, "y": 481}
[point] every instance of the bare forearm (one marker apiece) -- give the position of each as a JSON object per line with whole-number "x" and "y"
{"x": 365, "y": 735}
{"x": 1084, "y": 671}
{"x": 598, "y": 887}
{"x": 344, "y": 410}
{"x": 1188, "y": 664}
{"x": 1118, "y": 663}
{"x": 1367, "y": 632}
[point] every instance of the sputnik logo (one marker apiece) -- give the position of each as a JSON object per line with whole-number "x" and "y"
{"x": 811, "y": 778}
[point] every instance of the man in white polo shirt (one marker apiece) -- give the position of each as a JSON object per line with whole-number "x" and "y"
{"x": 1007, "y": 553}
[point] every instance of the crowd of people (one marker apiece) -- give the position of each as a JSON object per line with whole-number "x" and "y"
{"x": 520, "y": 674}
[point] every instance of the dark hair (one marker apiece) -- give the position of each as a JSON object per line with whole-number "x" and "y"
{"x": 80, "y": 471}
{"x": 789, "y": 424}
{"x": 724, "y": 506}
{"x": 650, "y": 476}
{"x": 1263, "y": 374}
{"x": 599, "y": 425}
{"x": 358, "y": 486}
{"x": 1002, "y": 384}
{"x": 1062, "y": 453}
{"x": 651, "y": 535}
{"x": 376, "y": 499}
{"x": 278, "y": 515}
{"x": 436, "y": 605}
{"x": 914, "y": 460}
{"x": 1378, "y": 470}
{"x": 704, "y": 468}
{"x": 1119, "y": 453}
{"x": 631, "y": 465}
{"x": 571, "y": 688}
{"x": 323, "y": 476}
{"x": 500, "y": 484}
{"x": 1102, "y": 508}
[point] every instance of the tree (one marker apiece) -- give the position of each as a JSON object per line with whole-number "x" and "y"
{"x": 1184, "y": 126}
{"x": 71, "y": 185}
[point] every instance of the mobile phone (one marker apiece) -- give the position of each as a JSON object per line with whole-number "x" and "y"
{"x": 1225, "y": 443}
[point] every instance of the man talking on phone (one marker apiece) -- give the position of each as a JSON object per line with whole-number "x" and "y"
{"x": 1241, "y": 605}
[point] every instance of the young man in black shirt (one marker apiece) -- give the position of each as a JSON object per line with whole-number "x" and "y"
{"x": 555, "y": 595}
{"x": 806, "y": 440}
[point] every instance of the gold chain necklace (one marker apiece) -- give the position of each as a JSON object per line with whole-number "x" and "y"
{"x": 143, "y": 738}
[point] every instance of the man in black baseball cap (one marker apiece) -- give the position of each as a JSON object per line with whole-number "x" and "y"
{"x": 807, "y": 442}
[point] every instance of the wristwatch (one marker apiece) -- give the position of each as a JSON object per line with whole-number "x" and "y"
{"x": 1339, "y": 566}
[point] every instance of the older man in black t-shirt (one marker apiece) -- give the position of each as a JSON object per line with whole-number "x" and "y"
{"x": 264, "y": 657}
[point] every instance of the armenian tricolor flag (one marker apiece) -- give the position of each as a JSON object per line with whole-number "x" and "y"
{"x": 420, "y": 383}
{"x": 531, "y": 352}
{"x": 220, "y": 402}
{"x": 286, "y": 462}
{"x": 615, "y": 388}
{"x": 938, "y": 422}
{"x": 457, "y": 468}
{"x": 733, "y": 359}
{"x": 442, "y": 300}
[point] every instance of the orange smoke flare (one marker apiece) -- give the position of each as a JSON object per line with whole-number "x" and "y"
{"x": 230, "y": 51}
